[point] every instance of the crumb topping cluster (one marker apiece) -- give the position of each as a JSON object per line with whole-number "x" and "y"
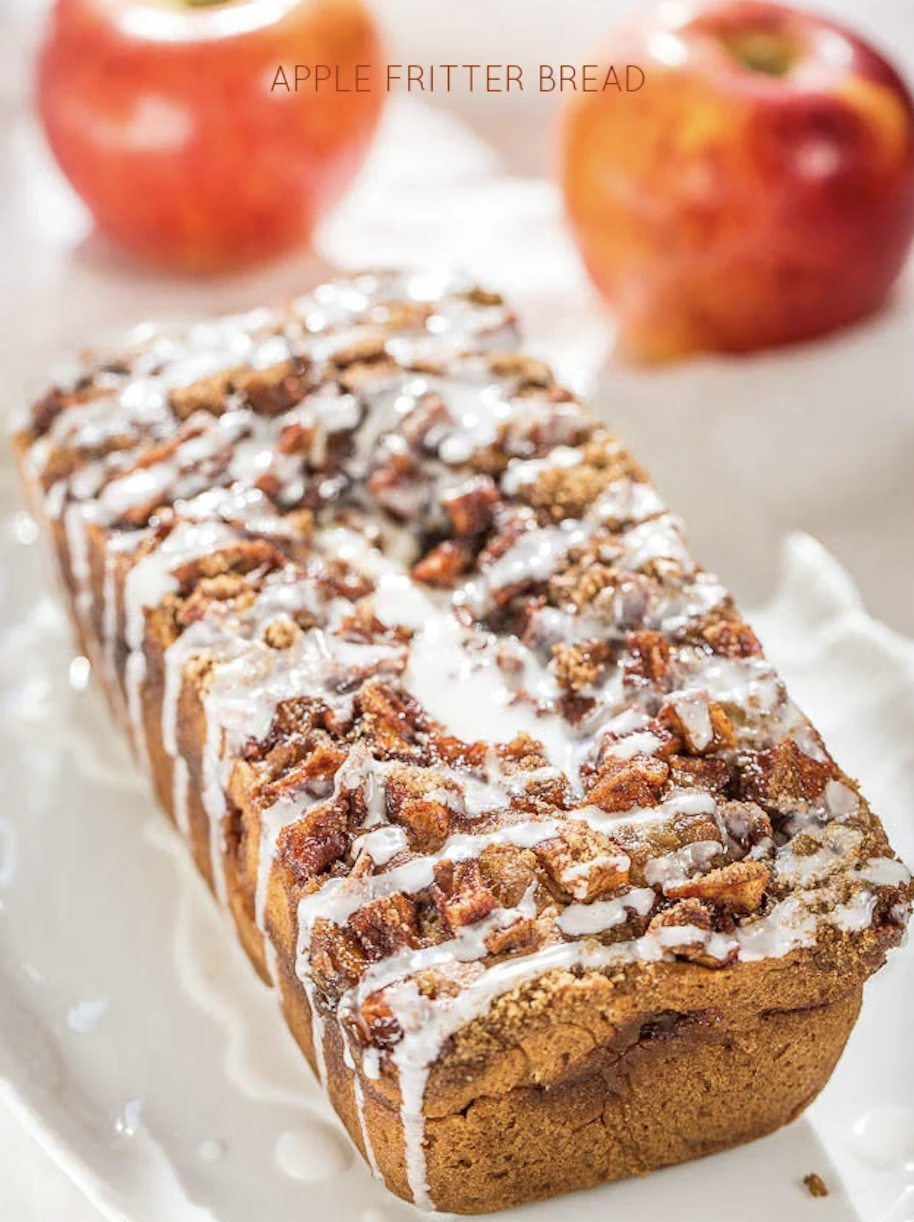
{"x": 485, "y": 713}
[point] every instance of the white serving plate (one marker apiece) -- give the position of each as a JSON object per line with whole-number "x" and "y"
{"x": 139, "y": 1048}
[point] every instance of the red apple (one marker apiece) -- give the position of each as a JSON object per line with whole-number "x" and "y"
{"x": 162, "y": 116}
{"x": 757, "y": 189}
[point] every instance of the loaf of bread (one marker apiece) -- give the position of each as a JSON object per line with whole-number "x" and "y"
{"x": 555, "y": 882}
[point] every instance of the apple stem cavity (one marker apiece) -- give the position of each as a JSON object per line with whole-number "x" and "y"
{"x": 763, "y": 51}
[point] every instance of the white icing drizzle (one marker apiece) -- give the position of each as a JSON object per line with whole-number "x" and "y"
{"x": 521, "y": 472}
{"x": 856, "y": 914}
{"x": 841, "y": 799}
{"x": 838, "y": 847}
{"x": 77, "y": 547}
{"x": 478, "y": 685}
{"x": 452, "y": 672}
{"x": 477, "y": 411}
{"x": 109, "y": 614}
{"x": 659, "y": 538}
{"x": 180, "y": 794}
{"x": 682, "y": 864}
{"x": 381, "y": 844}
{"x": 534, "y": 556}
{"x": 693, "y": 711}
{"x": 359, "y": 1099}
{"x": 336, "y": 900}
{"x": 147, "y": 583}
{"x": 884, "y": 872}
{"x": 626, "y": 501}
{"x": 718, "y": 945}
{"x": 135, "y": 678}
{"x": 789, "y": 925}
{"x": 581, "y": 919}
{"x": 575, "y": 879}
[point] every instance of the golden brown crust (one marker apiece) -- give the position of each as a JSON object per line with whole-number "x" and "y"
{"x": 699, "y": 899}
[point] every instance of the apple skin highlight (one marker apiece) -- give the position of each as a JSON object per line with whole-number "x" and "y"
{"x": 758, "y": 191}
{"x": 161, "y": 116}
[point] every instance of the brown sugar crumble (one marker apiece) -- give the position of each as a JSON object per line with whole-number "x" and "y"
{"x": 496, "y": 786}
{"x": 815, "y": 1185}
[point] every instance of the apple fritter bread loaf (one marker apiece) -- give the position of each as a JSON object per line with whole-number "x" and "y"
{"x": 556, "y": 883}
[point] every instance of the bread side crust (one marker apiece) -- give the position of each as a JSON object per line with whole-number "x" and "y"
{"x": 574, "y": 1078}
{"x": 558, "y": 1073}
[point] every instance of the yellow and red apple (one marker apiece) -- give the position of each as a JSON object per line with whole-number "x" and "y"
{"x": 758, "y": 189}
{"x": 162, "y": 115}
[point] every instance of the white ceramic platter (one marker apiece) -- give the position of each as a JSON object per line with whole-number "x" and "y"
{"x": 138, "y": 1046}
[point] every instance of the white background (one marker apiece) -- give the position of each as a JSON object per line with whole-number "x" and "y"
{"x": 821, "y": 438}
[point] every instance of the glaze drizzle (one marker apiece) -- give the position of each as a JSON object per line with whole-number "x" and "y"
{"x": 420, "y": 647}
